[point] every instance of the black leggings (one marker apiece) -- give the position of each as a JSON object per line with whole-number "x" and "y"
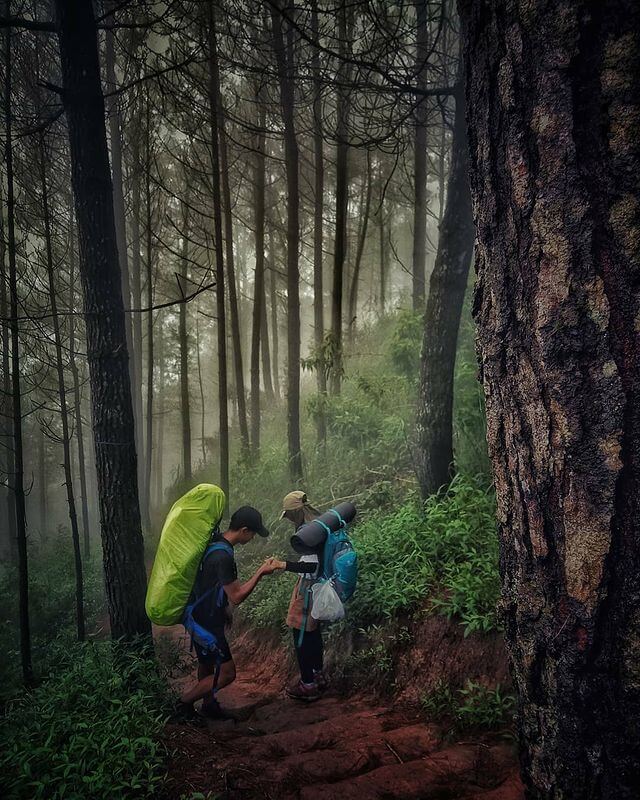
{"x": 309, "y": 653}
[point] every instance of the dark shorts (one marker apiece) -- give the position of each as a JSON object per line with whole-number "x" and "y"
{"x": 209, "y": 659}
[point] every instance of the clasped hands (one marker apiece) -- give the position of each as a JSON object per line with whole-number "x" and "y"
{"x": 271, "y": 565}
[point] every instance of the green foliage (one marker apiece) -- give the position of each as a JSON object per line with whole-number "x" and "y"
{"x": 405, "y": 344}
{"x": 448, "y": 551}
{"x": 90, "y": 730}
{"x": 473, "y": 706}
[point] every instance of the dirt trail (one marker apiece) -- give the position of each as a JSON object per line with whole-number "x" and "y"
{"x": 334, "y": 749}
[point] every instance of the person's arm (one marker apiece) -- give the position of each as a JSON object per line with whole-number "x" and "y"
{"x": 237, "y": 592}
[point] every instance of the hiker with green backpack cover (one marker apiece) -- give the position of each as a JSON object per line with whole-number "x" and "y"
{"x": 194, "y": 578}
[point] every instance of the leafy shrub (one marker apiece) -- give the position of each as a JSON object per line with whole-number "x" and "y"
{"x": 472, "y": 706}
{"x": 91, "y": 730}
{"x": 405, "y": 344}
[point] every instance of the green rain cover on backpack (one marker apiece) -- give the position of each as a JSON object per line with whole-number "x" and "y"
{"x": 184, "y": 538}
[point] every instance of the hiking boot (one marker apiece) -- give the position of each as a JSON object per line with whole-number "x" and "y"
{"x": 183, "y": 712}
{"x": 306, "y": 692}
{"x": 320, "y": 680}
{"x": 211, "y": 709}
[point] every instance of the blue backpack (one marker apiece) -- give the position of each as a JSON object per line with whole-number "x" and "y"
{"x": 207, "y": 640}
{"x": 340, "y": 561}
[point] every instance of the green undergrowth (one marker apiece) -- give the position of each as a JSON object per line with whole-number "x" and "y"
{"x": 91, "y": 729}
{"x": 474, "y": 706}
{"x": 52, "y": 607}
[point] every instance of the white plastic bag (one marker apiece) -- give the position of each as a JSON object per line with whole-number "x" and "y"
{"x": 326, "y": 605}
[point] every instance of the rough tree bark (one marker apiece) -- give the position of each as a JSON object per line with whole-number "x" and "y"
{"x": 285, "y": 64}
{"x": 148, "y": 438}
{"x": 107, "y": 356}
{"x": 434, "y": 429}
{"x": 553, "y": 105}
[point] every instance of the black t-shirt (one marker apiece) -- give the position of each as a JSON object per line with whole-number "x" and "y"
{"x": 216, "y": 570}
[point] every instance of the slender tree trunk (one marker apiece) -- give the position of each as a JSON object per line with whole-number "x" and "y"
{"x": 285, "y": 64}
{"x": 318, "y": 226}
{"x": 148, "y": 451}
{"x": 6, "y": 444}
{"x": 442, "y": 321}
{"x": 136, "y": 299}
{"x": 17, "y": 482}
{"x": 342, "y": 201}
{"x": 185, "y": 405}
{"x": 159, "y": 482}
{"x": 43, "y": 505}
{"x": 384, "y": 270}
{"x": 115, "y": 140}
{"x": 420, "y": 161}
{"x": 265, "y": 350}
{"x": 553, "y": 93}
{"x": 201, "y": 387}
{"x": 62, "y": 398}
{"x": 112, "y": 408}
{"x": 77, "y": 394}
{"x": 234, "y": 312}
{"x": 258, "y": 284}
{"x": 273, "y": 292}
{"x": 353, "y": 297}
{"x": 223, "y": 424}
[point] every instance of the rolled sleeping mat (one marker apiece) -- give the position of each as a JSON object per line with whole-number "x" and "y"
{"x": 310, "y": 537}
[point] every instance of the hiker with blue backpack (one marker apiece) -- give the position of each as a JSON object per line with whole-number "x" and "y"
{"x": 207, "y": 614}
{"x": 327, "y": 576}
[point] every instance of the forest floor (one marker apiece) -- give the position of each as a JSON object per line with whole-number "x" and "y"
{"x": 342, "y": 748}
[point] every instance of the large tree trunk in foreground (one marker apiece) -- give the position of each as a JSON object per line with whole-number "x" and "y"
{"x": 285, "y": 63}
{"x": 442, "y": 321}
{"x": 553, "y": 103}
{"x": 104, "y": 314}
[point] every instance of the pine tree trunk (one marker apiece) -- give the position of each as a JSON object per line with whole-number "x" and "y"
{"x": 148, "y": 439}
{"x": 185, "y": 405}
{"x": 364, "y": 223}
{"x": 234, "y": 312}
{"x": 434, "y": 430}
{"x": 342, "y": 202}
{"x": 384, "y": 267}
{"x": 203, "y": 440}
{"x": 77, "y": 394}
{"x": 136, "y": 298}
{"x": 62, "y": 398}
{"x": 17, "y": 479}
{"x": 420, "y": 161}
{"x": 112, "y": 408}
{"x": 6, "y": 414}
{"x": 43, "y": 505}
{"x": 273, "y": 297}
{"x": 159, "y": 476}
{"x": 223, "y": 424}
{"x": 258, "y": 283}
{"x": 318, "y": 226}
{"x": 553, "y": 98}
{"x": 285, "y": 63}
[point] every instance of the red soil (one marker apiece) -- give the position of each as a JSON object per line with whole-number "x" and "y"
{"x": 354, "y": 748}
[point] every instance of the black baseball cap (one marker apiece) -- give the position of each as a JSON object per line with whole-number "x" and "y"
{"x": 248, "y": 517}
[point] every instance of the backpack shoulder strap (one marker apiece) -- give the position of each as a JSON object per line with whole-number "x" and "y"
{"x": 216, "y": 546}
